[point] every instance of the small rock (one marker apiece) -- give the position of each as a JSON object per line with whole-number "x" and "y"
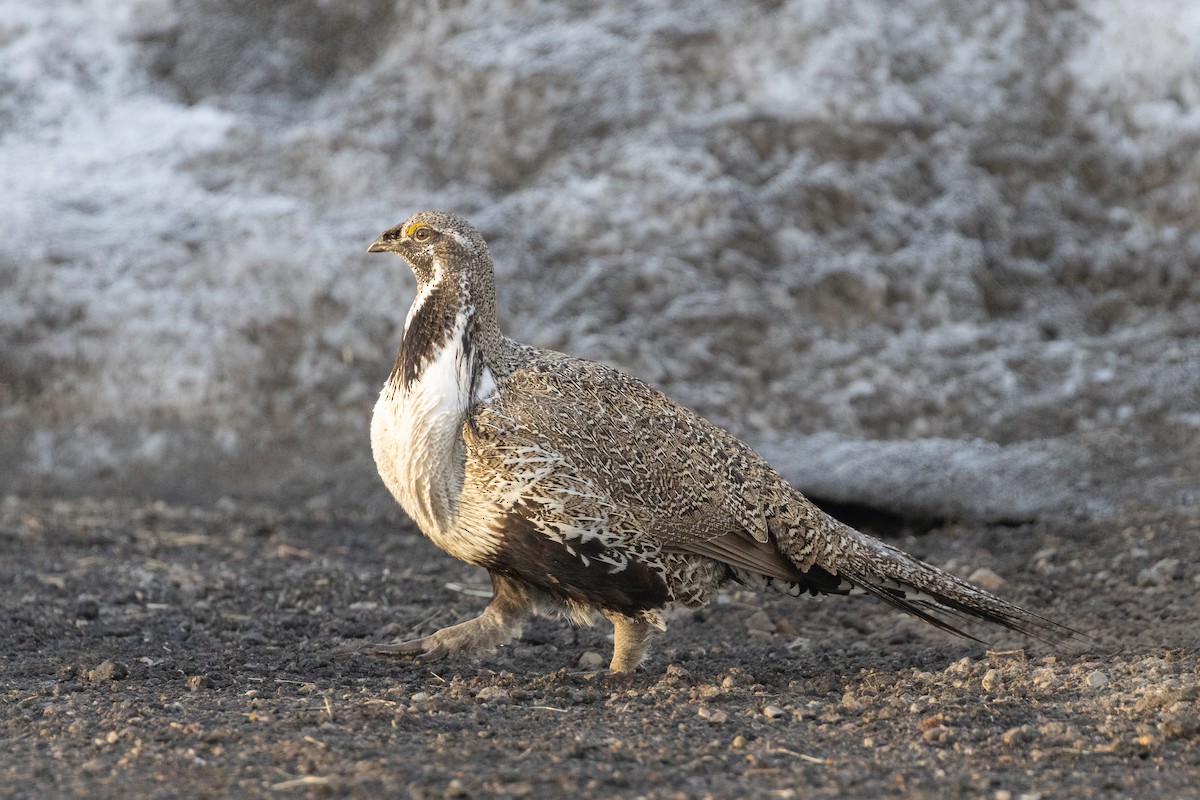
{"x": 714, "y": 716}
{"x": 1097, "y": 679}
{"x": 1162, "y": 573}
{"x": 771, "y": 712}
{"x": 1044, "y": 676}
{"x": 197, "y": 682}
{"x": 932, "y": 721}
{"x": 591, "y": 660}
{"x": 87, "y": 608}
{"x": 1058, "y": 734}
{"x": 761, "y": 622}
{"x": 454, "y": 789}
{"x": 419, "y": 697}
{"x": 1015, "y": 735}
{"x": 984, "y": 578}
{"x": 1179, "y": 726}
{"x": 108, "y": 671}
{"x": 960, "y": 667}
{"x": 736, "y": 677}
{"x": 991, "y": 680}
{"x": 493, "y": 694}
{"x": 676, "y": 671}
{"x": 939, "y": 734}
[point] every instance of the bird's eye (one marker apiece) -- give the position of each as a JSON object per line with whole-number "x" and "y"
{"x": 422, "y": 233}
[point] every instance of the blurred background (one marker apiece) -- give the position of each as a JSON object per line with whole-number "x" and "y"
{"x": 939, "y": 258}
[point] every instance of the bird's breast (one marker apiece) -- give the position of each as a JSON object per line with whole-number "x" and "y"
{"x": 416, "y": 439}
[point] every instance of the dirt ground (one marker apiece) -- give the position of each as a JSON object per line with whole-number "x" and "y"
{"x": 156, "y": 651}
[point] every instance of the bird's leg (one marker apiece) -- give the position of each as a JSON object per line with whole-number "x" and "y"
{"x": 499, "y": 623}
{"x": 631, "y": 640}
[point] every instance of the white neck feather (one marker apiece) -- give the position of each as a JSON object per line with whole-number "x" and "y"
{"x": 416, "y": 433}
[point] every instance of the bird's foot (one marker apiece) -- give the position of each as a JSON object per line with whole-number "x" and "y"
{"x": 473, "y": 638}
{"x": 423, "y": 649}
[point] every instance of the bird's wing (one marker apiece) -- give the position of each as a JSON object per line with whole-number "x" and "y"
{"x": 558, "y": 531}
{"x": 680, "y": 475}
{"x": 690, "y": 486}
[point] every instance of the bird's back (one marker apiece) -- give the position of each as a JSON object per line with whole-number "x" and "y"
{"x": 681, "y": 477}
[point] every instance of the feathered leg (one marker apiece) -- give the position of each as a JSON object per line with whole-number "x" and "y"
{"x": 631, "y": 640}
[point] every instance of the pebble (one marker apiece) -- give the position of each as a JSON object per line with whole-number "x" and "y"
{"x": 715, "y": 717}
{"x": 991, "y": 680}
{"x": 760, "y": 621}
{"x": 493, "y": 694}
{"x": 1015, "y": 735}
{"x": 984, "y": 578}
{"x": 108, "y": 671}
{"x": 1058, "y": 734}
{"x": 676, "y": 671}
{"x": 87, "y": 608}
{"x": 1097, "y": 679}
{"x": 1162, "y": 573}
{"x": 419, "y": 697}
{"x": 1179, "y": 725}
{"x": 591, "y": 660}
{"x": 939, "y": 734}
{"x": 771, "y": 712}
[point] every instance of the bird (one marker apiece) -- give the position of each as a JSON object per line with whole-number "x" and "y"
{"x": 584, "y": 491}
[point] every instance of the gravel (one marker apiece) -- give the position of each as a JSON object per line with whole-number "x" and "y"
{"x": 220, "y": 663}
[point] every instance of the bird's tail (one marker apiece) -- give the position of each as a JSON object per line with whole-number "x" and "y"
{"x": 945, "y": 601}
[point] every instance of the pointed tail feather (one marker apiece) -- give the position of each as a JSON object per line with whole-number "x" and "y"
{"x": 928, "y": 593}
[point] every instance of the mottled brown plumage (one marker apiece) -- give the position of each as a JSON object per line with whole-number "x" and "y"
{"x": 581, "y": 489}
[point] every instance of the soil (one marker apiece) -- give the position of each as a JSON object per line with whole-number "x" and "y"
{"x": 158, "y": 651}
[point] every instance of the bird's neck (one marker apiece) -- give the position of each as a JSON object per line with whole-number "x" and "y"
{"x": 417, "y": 427}
{"x": 446, "y": 310}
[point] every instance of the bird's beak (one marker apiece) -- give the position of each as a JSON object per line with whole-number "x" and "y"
{"x": 378, "y": 246}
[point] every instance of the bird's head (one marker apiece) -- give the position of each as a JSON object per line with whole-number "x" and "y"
{"x": 434, "y": 243}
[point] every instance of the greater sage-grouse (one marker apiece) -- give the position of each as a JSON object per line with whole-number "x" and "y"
{"x": 582, "y": 489}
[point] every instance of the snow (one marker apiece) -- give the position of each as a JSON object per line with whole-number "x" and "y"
{"x": 953, "y": 244}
